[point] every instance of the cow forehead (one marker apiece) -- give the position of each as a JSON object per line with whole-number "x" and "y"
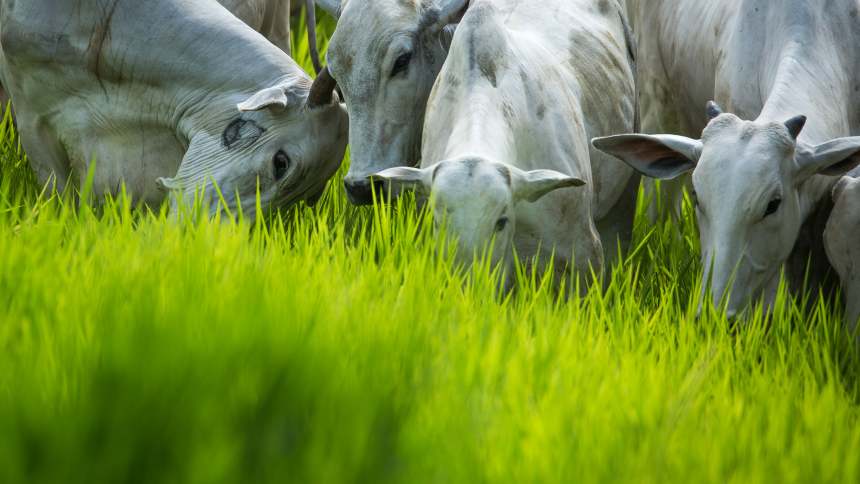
{"x": 365, "y": 28}
{"x": 476, "y": 184}
{"x": 743, "y": 154}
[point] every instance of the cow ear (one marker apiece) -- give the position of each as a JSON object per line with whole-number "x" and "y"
{"x": 267, "y": 98}
{"x": 833, "y": 158}
{"x": 442, "y": 14}
{"x": 663, "y": 156}
{"x": 403, "y": 177}
{"x": 532, "y": 185}
{"x": 168, "y": 184}
{"x": 331, "y": 7}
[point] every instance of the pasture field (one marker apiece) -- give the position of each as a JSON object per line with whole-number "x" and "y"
{"x": 337, "y": 344}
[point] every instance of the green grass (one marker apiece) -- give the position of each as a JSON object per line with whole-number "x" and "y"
{"x": 337, "y": 344}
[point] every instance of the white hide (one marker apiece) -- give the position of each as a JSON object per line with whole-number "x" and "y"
{"x": 842, "y": 239}
{"x": 150, "y": 89}
{"x": 385, "y": 55}
{"x": 769, "y": 62}
{"x": 677, "y": 54}
{"x": 508, "y": 124}
{"x": 269, "y": 17}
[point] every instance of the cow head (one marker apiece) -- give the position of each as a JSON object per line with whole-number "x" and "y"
{"x": 747, "y": 178}
{"x": 476, "y": 199}
{"x": 284, "y": 142}
{"x": 385, "y": 55}
{"x": 842, "y": 241}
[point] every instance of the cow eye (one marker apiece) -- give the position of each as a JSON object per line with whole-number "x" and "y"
{"x": 280, "y": 164}
{"x": 401, "y": 64}
{"x": 772, "y": 207}
{"x": 501, "y": 224}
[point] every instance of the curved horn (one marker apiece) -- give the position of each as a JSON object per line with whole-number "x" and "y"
{"x": 322, "y": 90}
{"x": 713, "y": 109}
{"x": 795, "y": 125}
{"x": 311, "y": 17}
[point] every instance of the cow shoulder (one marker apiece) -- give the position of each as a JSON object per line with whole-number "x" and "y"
{"x": 34, "y": 39}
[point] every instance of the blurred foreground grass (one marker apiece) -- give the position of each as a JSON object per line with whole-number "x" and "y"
{"x": 337, "y": 344}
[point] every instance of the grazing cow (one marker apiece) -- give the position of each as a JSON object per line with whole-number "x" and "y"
{"x": 525, "y": 87}
{"x": 162, "y": 87}
{"x": 842, "y": 239}
{"x": 385, "y": 55}
{"x": 760, "y": 175}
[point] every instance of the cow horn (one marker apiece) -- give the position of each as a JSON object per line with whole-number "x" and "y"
{"x": 311, "y": 16}
{"x": 322, "y": 90}
{"x": 713, "y": 110}
{"x": 795, "y": 125}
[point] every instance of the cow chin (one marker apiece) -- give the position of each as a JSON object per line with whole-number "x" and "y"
{"x": 747, "y": 292}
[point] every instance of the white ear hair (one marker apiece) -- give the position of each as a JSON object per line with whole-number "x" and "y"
{"x": 833, "y": 158}
{"x": 168, "y": 184}
{"x": 662, "y": 156}
{"x": 405, "y": 177}
{"x": 532, "y": 185}
{"x": 270, "y": 97}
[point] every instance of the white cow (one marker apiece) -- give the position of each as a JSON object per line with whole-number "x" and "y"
{"x": 385, "y": 55}
{"x": 150, "y": 89}
{"x": 269, "y": 17}
{"x": 525, "y": 87}
{"x": 842, "y": 239}
{"x": 759, "y": 174}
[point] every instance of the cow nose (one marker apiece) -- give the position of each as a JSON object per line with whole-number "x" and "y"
{"x": 360, "y": 191}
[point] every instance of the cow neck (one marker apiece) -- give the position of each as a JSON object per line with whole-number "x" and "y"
{"x": 480, "y": 130}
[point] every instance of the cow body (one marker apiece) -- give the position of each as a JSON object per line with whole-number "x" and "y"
{"x": 508, "y": 126}
{"x": 788, "y": 73}
{"x": 842, "y": 238}
{"x": 269, "y": 17}
{"x": 86, "y": 90}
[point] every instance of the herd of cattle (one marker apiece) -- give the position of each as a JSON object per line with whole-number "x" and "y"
{"x": 518, "y": 120}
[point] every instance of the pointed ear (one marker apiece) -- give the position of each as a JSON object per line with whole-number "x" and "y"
{"x": 833, "y": 158}
{"x": 532, "y": 185}
{"x": 443, "y": 13}
{"x": 168, "y": 184}
{"x": 267, "y": 98}
{"x": 331, "y": 7}
{"x": 663, "y": 156}
{"x": 404, "y": 177}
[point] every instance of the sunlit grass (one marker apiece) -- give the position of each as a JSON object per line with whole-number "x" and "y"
{"x": 333, "y": 344}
